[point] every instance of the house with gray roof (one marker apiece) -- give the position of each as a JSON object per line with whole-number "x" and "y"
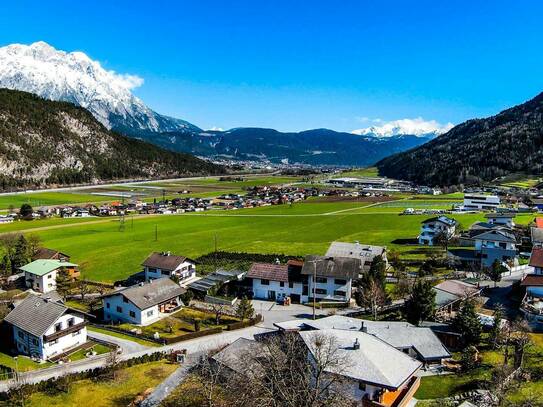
{"x": 44, "y": 329}
{"x": 419, "y": 343}
{"x": 370, "y": 368}
{"x": 168, "y": 265}
{"x": 364, "y": 252}
{"x": 144, "y": 303}
{"x": 434, "y": 227}
{"x": 495, "y": 245}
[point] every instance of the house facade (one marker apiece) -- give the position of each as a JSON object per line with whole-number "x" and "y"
{"x": 165, "y": 264}
{"x": 44, "y": 329}
{"x": 496, "y": 245}
{"x": 480, "y": 202}
{"x": 144, "y": 303}
{"x": 40, "y": 275}
{"x": 272, "y": 282}
{"x": 536, "y": 260}
{"x": 434, "y": 227}
{"x": 505, "y": 219}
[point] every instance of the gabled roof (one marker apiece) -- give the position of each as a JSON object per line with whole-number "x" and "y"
{"x": 532, "y": 280}
{"x": 146, "y": 295}
{"x": 398, "y": 334}
{"x": 269, "y": 271}
{"x": 235, "y": 355}
{"x": 457, "y": 287}
{"x": 42, "y": 267}
{"x": 442, "y": 219}
{"x": 342, "y": 267}
{"x": 354, "y": 250}
{"x": 373, "y": 362}
{"x": 536, "y": 258}
{"x": 45, "y": 253}
{"x": 164, "y": 261}
{"x": 496, "y": 235}
{"x": 35, "y": 315}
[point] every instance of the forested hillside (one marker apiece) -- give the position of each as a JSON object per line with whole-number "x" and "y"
{"x": 45, "y": 142}
{"x": 477, "y": 150}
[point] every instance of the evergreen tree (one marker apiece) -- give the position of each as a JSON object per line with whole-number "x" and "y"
{"x": 495, "y": 272}
{"x": 26, "y": 211}
{"x": 467, "y": 323}
{"x": 21, "y": 254}
{"x": 421, "y": 304}
{"x": 64, "y": 283}
{"x": 377, "y": 271}
{"x": 245, "y": 310}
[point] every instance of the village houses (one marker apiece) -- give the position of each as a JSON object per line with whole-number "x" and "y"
{"x": 434, "y": 228}
{"x": 165, "y": 264}
{"x": 40, "y": 275}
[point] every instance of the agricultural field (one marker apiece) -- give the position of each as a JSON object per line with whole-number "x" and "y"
{"x": 106, "y": 254}
{"x": 130, "y": 383}
{"x": 38, "y": 199}
{"x": 520, "y": 181}
{"x": 362, "y": 172}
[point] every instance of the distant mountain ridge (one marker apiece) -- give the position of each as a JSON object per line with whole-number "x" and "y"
{"x": 56, "y": 143}
{"x": 74, "y": 77}
{"x": 313, "y": 147}
{"x": 476, "y": 151}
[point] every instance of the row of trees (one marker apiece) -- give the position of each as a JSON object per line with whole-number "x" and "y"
{"x": 16, "y": 251}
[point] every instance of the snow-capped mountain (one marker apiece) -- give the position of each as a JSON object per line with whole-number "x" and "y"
{"x": 413, "y": 127}
{"x": 74, "y": 77}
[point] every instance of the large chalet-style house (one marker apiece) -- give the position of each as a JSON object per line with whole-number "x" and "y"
{"x": 434, "y": 228}
{"x": 364, "y": 252}
{"x": 165, "y": 264}
{"x": 144, "y": 303}
{"x": 532, "y": 284}
{"x": 44, "y": 329}
{"x": 331, "y": 278}
{"x": 495, "y": 245}
{"x": 41, "y": 275}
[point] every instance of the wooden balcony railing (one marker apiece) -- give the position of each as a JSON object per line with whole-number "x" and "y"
{"x": 64, "y": 332}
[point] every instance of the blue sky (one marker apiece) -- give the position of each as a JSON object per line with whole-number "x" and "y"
{"x": 295, "y": 65}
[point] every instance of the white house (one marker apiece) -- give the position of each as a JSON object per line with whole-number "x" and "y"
{"x": 330, "y": 278}
{"x": 364, "y": 252}
{"x": 144, "y": 303}
{"x": 370, "y": 368}
{"x": 165, "y": 264}
{"x": 505, "y": 219}
{"x": 495, "y": 245}
{"x": 438, "y": 226}
{"x": 271, "y": 282}
{"x": 45, "y": 329}
{"x": 41, "y": 274}
{"x": 480, "y": 202}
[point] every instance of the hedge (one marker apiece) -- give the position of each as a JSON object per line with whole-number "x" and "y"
{"x": 192, "y": 335}
{"x": 245, "y": 324}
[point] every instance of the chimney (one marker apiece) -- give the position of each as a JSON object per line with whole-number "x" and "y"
{"x": 363, "y": 328}
{"x": 356, "y": 344}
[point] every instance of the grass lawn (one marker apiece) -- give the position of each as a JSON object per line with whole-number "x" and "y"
{"x": 121, "y": 336}
{"x": 80, "y": 354}
{"x": 130, "y": 383}
{"x": 37, "y": 199}
{"x": 106, "y": 254}
{"x": 41, "y": 223}
{"x": 182, "y": 322}
{"x": 362, "y": 172}
{"x": 24, "y": 364}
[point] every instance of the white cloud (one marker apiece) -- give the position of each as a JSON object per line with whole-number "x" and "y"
{"x": 416, "y": 126}
{"x": 216, "y": 129}
{"x": 126, "y": 80}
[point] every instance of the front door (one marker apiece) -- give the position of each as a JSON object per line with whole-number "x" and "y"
{"x": 295, "y": 298}
{"x": 271, "y": 295}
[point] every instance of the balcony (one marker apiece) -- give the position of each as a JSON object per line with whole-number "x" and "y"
{"x": 64, "y": 332}
{"x": 398, "y": 398}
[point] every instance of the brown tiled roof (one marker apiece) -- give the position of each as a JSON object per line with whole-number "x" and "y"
{"x": 536, "y": 259}
{"x": 532, "y": 280}
{"x": 48, "y": 254}
{"x": 295, "y": 262}
{"x": 269, "y": 271}
{"x": 163, "y": 261}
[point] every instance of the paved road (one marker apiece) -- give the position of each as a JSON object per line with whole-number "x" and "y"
{"x": 193, "y": 346}
{"x": 127, "y": 346}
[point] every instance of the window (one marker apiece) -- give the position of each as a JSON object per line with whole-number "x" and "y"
{"x": 76, "y": 333}
{"x": 165, "y": 272}
{"x": 71, "y": 322}
{"x": 265, "y": 282}
{"x": 49, "y": 276}
{"x": 107, "y": 304}
{"x": 321, "y": 291}
{"x": 119, "y": 309}
{"x": 367, "y": 263}
{"x": 58, "y": 327}
{"x": 38, "y": 285}
{"x": 35, "y": 342}
{"x": 290, "y": 284}
{"x": 322, "y": 280}
{"x": 340, "y": 293}
{"x": 362, "y": 386}
{"x": 281, "y": 284}
{"x": 340, "y": 281}
{"x": 53, "y": 342}
{"x": 21, "y": 335}
{"x": 150, "y": 313}
{"x": 132, "y": 314}
{"x": 151, "y": 270}
{"x": 125, "y": 300}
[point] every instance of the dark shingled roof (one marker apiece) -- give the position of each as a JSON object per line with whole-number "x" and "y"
{"x": 163, "y": 261}
{"x": 35, "y": 315}
{"x": 536, "y": 259}
{"x": 532, "y": 280}
{"x": 146, "y": 295}
{"x": 345, "y": 267}
{"x": 45, "y": 253}
{"x": 497, "y": 235}
{"x": 269, "y": 271}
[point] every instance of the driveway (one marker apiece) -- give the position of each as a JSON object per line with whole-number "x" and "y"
{"x": 127, "y": 346}
{"x": 273, "y": 312}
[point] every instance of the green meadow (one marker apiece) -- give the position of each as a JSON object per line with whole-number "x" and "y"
{"x": 37, "y": 199}
{"x": 107, "y": 254}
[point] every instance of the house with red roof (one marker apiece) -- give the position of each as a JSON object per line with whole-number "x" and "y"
{"x": 536, "y": 260}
